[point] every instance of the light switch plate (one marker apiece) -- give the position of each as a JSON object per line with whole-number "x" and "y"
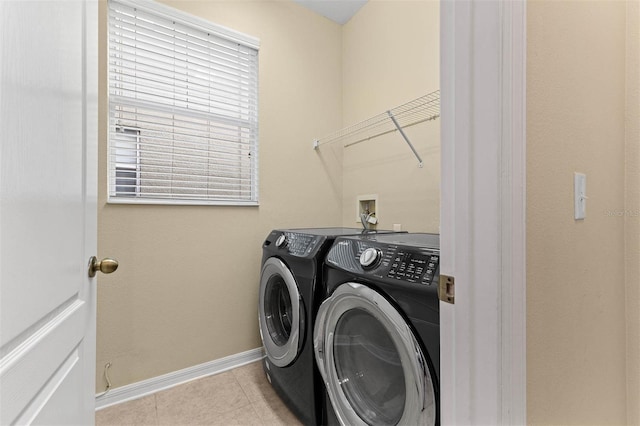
{"x": 580, "y": 195}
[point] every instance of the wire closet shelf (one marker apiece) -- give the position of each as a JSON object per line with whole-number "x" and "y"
{"x": 419, "y": 110}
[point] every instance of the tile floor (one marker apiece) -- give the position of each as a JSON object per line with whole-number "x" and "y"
{"x": 241, "y": 396}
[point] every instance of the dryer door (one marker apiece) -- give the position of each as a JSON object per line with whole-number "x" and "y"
{"x": 373, "y": 367}
{"x": 280, "y": 313}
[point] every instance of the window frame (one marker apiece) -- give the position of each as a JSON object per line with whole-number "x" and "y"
{"x": 197, "y": 24}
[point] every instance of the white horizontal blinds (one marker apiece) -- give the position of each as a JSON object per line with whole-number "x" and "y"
{"x": 183, "y": 110}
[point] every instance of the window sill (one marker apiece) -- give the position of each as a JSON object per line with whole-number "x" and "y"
{"x": 169, "y": 202}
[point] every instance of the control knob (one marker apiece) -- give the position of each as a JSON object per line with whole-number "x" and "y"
{"x": 370, "y": 257}
{"x": 281, "y": 241}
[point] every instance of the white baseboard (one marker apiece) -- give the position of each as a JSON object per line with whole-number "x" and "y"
{"x": 155, "y": 384}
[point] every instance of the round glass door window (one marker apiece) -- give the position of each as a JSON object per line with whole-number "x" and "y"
{"x": 278, "y": 310}
{"x": 371, "y": 362}
{"x": 369, "y": 368}
{"x": 280, "y": 313}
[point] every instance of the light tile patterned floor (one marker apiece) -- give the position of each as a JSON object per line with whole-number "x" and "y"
{"x": 238, "y": 397}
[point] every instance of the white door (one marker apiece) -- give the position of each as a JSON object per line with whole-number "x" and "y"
{"x": 48, "y": 136}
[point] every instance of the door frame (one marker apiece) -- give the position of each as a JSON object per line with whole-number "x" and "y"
{"x": 482, "y": 216}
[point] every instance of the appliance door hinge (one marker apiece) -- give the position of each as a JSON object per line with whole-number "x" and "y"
{"x": 447, "y": 289}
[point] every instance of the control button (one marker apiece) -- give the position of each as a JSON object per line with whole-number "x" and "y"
{"x": 281, "y": 241}
{"x": 369, "y": 257}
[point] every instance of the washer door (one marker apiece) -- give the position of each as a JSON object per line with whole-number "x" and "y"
{"x": 280, "y": 315}
{"x": 373, "y": 367}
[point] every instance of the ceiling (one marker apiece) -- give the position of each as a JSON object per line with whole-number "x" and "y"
{"x": 339, "y": 11}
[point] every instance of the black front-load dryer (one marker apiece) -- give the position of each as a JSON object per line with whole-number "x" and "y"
{"x": 376, "y": 335}
{"x": 289, "y": 295}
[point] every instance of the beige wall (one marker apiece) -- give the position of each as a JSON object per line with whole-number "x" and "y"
{"x": 391, "y": 52}
{"x": 576, "y": 331}
{"x": 184, "y": 296}
{"x": 632, "y": 211}
{"x": 186, "y": 290}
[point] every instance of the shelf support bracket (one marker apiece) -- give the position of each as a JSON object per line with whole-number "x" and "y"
{"x": 406, "y": 139}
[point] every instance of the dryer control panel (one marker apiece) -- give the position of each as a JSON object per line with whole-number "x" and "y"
{"x": 414, "y": 258}
{"x": 311, "y": 242}
{"x": 414, "y": 267}
{"x": 297, "y": 244}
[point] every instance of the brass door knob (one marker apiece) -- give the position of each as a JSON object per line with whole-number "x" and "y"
{"x": 106, "y": 266}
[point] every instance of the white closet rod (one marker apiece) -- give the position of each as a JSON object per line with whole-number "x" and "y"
{"x": 424, "y": 108}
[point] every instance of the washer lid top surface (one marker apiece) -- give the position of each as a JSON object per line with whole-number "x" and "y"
{"x": 416, "y": 239}
{"x": 335, "y": 232}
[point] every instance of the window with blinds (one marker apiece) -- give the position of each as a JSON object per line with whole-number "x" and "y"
{"x": 183, "y": 108}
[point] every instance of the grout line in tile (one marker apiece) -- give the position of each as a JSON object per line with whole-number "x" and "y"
{"x": 243, "y": 392}
{"x": 253, "y": 404}
{"x": 155, "y": 406}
